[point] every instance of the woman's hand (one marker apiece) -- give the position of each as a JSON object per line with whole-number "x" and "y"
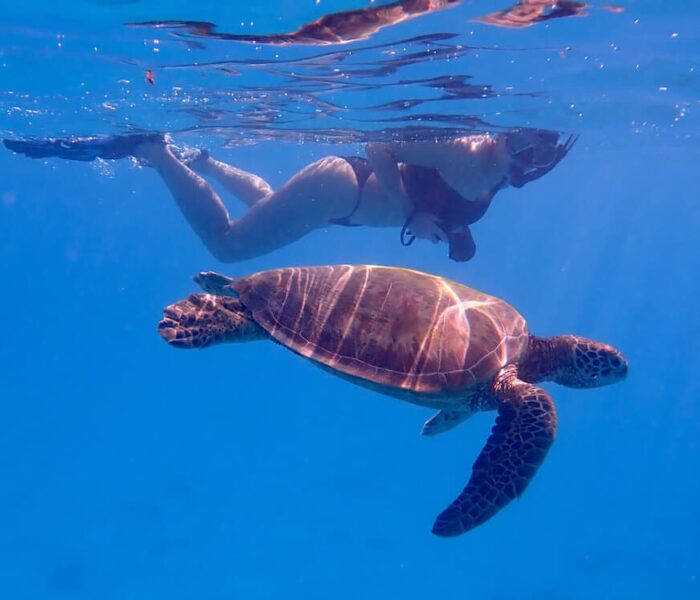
{"x": 424, "y": 225}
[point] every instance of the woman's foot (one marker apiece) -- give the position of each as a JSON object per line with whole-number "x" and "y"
{"x": 192, "y": 157}
{"x": 152, "y": 152}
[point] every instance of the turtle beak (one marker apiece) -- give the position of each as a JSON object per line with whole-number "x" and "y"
{"x": 619, "y": 366}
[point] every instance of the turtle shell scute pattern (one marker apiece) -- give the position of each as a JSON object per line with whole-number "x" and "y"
{"x": 392, "y": 327}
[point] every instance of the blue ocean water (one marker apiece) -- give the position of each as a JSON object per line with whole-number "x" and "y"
{"x": 132, "y": 470}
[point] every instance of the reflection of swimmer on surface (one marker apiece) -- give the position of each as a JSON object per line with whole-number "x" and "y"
{"x": 333, "y": 28}
{"x": 529, "y": 12}
{"x": 432, "y": 189}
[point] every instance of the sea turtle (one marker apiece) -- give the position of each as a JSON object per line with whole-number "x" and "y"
{"x": 417, "y": 337}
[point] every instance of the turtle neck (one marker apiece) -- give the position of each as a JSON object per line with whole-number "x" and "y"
{"x": 543, "y": 359}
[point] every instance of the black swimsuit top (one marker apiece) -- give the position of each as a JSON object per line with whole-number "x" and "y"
{"x": 427, "y": 191}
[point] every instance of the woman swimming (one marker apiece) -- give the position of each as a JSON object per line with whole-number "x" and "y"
{"x": 428, "y": 189}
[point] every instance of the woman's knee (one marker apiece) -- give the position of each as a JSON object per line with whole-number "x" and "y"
{"x": 231, "y": 250}
{"x": 226, "y": 246}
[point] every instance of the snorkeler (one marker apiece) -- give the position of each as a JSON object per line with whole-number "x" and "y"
{"x": 429, "y": 189}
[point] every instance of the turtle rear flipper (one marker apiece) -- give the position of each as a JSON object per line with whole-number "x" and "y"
{"x": 215, "y": 283}
{"x": 444, "y": 420}
{"x": 205, "y": 319}
{"x": 518, "y": 443}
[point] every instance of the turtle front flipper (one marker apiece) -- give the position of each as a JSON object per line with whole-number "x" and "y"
{"x": 519, "y": 441}
{"x": 205, "y": 319}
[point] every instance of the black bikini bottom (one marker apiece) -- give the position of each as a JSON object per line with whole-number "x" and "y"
{"x": 362, "y": 172}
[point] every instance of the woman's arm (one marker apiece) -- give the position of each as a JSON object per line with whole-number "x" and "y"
{"x": 386, "y": 169}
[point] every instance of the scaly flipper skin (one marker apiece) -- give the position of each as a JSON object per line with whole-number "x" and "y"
{"x": 204, "y": 319}
{"x": 519, "y": 441}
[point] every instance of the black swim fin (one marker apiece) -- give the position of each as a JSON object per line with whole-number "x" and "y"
{"x": 108, "y": 147}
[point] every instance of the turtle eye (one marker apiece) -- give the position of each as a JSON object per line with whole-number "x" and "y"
{"x": 597, "y": 364}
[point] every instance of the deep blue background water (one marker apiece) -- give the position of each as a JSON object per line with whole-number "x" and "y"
{"x": 131, "y": 470}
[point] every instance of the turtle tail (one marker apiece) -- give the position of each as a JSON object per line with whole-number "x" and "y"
{"x": 206, "y": 319}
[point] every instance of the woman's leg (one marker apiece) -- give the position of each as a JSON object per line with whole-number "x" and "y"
{"x": 325, "y": 190}
{"x": 199, "y": 203}
{"x": 247, "y": 187}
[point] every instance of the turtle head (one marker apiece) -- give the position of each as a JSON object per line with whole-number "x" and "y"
{"x": 584, "y": 363}
{"x": 215, "y": 283}
{"x": 572, "y": 361}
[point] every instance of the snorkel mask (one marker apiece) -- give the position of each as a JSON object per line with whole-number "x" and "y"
{"x": 535, "y": 153}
